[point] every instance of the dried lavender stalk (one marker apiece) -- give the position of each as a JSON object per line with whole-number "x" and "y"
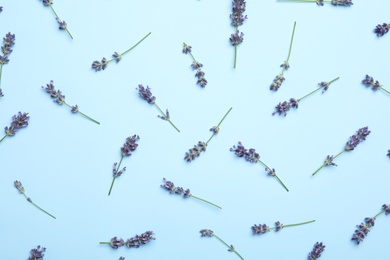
{"x": 6, "y": 49}
{"x": 210, "y": 233}
{"x": 195, "y": 66}
{"x": 133, "y": 242}
{"x": 318, "y": 249}
{"x": 62, "y": 24}
{"x": 263, "y": 228}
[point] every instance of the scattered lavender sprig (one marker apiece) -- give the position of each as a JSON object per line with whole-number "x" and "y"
{"x": 133, "y": 242}
{"x": 59, "y": 98}
{"x": 382, "y": 29}
{"x": 253, "y": 157}
{"x": 285, "y": 66}
{"x": 19, "y": 121}
{"x": 321, "y": 2}
{"x": 363, "y": 228}
{"x": 147, "y": 95}
{"x": 201, "y": 146}
{"x": 129, "y": 146}
{"x": 62, "y": 24}
{"x": 374, "y": 84}
{"x": 210, "y": 233}
{"x": 238, "y": 8}
{"x": 283, "y": 107}
{"x": 170, "y": 186}
{"x": 195, "y": 66}
{"x": 263, "y": 228}
{"x": 18, "y": 185}
{"x": 6, "y": 49}
{"x": 353, "y": 141}
{"x": 318, "y": 249}
{"x": 101, "y": 65}
{"x": 37, "y": 253}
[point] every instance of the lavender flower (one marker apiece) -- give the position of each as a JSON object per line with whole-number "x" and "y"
{"x": 382, "y": 29}
{"x": 37, "y": 253}
{"x": 101, "y": 65}
{"x": 1, "y": 9}
{"x": 210, "y": 233}
{"x": 62, "y": 24}
{"x": 146, "y": 94}
{"x": 19, "y": 121}
{"x": 201, "y": 146}
{"x": 195, "y": 66}
{"x": 370, "y": 82}
{"x": 321, "y": 2}
{"x": 121, "y": 258}
{"x": 6, "y": 49}
{"x": 238, "y": 18}
{"x": 169, "y": 186}
{"x": 363, "y": 228}
{"x": 318, "y": 249}
{"x": 59, "y": 98}
{"x": 18, "y": 185}
{"x": 126, "y": 151}
{"x": 283, "y": 107}
{"x": 388, "y": 153}
{"x": 253, "y": 157}
{"x": 285, "y": 66}
{"x": 342, "y": 2}
{"x": 263, "y": 228}
{"x": 353, "y": 141}
{"x": 133, "y": 242}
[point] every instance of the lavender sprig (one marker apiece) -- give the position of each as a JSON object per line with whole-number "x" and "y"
{"x": 318, "y": 249}
{"x": 210, "y": 233}
{"x": 37, "y": 253}
{"x": 62, "y": 24}
{"x": 129, "y": 146}
{"x": 146, "y": 94}
{"x": 133, "y": 242}
{"x": 252, "y": 156}
{"x": 18, "y": 185}
{"x": 382, "y": 29}
{"x": 201, "y": 146}
{"x": 195, "y": 66}
{"x": 363, "y": 228}
{"x": 263, "y": 228}
{"x": 19, "y": 121}
{"x": 59, "y": 98}
{"x": 170, "y": 186}
{"x": 1, "y": 9}
{"x": 374, "y": 84}
{"x": 238, "y": 8}
{"x": 353, "y": 141}
{"x": 285, "y": 65}
{"x": 101, "y": 65}
{"x": 388, "y": 153}
{"x": 321, "y": 2}
{"x": 283, "y": 107}
{"x": 6, "y": 49}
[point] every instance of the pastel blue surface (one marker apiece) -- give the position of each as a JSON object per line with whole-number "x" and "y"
{"x": 65, "y": 161}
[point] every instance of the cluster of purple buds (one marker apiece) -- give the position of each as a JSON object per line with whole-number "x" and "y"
{"x": 386, "y": 208}
{"x": 19, "y": 121}
{"x": 57, "y": 95}
{"x": 1, "y": 9}
{"x": 195, "y": 152}
{"x": 195, "y": 66}
{"x": 206, "y": 233}
{"x": 249, "y": 155}
{"x": 388, "y": 153}
{"x": 320, "y": 2}
{"x": 277, "y": 82}
{"x": 6, "y": 49}
{"x": 115, "y": 171}
{"x": 100, "y": 65}
{"x": 146, "y": 94}
{"x": 370, "y": 82}
{"x": 130, "y": 145}
{"x": 362, "y": 230}
{"x": 318, "y": 249}
{"x": 342, "y": 2}
{"x": 382, "y": 29}
{"x": 238, "y": 18}
{"x": 283, "y": 107}
{"x": 133, "y": 242}
{"x": 329, "y": 161}
{"x": 170, "y": 186}
{"x": 236, "y": 38}
{"x": 357, "y": 138}
{"x": 62, "y": 24}
{"x": 260, "y": 229}
{"x": 37, "y": 253}
{"x": 165, "y": 117}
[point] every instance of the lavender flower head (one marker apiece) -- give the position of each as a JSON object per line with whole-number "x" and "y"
{"x": 277, "y": 82}
{"x": 386, "y": 208}
{"x": 146, "y": 94}
{"x": 130, "y": 145}
{"x": 8, "y": 42}
{"x": 19, "y": 121}
{"x": 239, "y": 150}
{"x": 342, "y": 2}
{"x": 37, "y": 253}
{"x": 282, "y": 108}
{"x": 100, "y": 65}
{"x": 195, "y": 152}
{"x": 18, "y": 185}
{"x": 139, "y": 240}
{"x": 358, "y": 137}
{"x": 186, "y": 48}
{"x": 260, "y": 229}
{"x": 369, "y": 81}
{"x": 238, "y": 8}
{"x": 170, "y": 186}
{"x": 382, "y": 29}
{"x": 47, "y": 2}
{"x": 329, "y": 161}
{"x": 115, "y": 171}
{"x": 117, "y": 57}
{"x": 362, "y": 230}
{"x": 236, "y": 38}
{"x": 57, "y": 95}
{"x": 62, "y": 24}
{"x": 278, "y": 226}
{"x": 317, "y": 251}
{"x": 116, "y": 242}
{"x": 320, "y": 2}
{"x": 206, "y": 233}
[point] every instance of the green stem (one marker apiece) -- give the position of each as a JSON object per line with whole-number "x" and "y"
{"x": 93, "y": 120}
{"x": 291, "y": 42}
{"x": 385, "y": 90}
{"x": 1, "y": 69}
{"x": 113, "y": 180}
{"x": 235, "y": 51}
{"x": 220, "y": 122}
{"x": 193, "y": 196}
{"x": 322, "y": 166}
{"x": 59, "y": 18}
{"x": 3, "y": 138}
{"x": 280, "y": 181}
{"x": 378, "y": 214}
{"x": 136, "y": 44}
{"x": 298, "y": 224}
{"x": 104, "y": 243}
{"x": 333, "y": 80}
{"x": 169, "y": 120}
{"x": 299, "y": 99}
{"x": 220, "y": 239}
{"x": 29, "y": 200}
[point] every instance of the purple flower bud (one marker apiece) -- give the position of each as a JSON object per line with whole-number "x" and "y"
{"x": 282, "y": 108}
{"x": 74, "y": 109}
{"x": 260, "y": 229}
{"x": 386, "y": 208}
{"x": 382, "y": 29}
{"x": 270, "y": 172}
{"x": 146, "y": 94}
{"x": 320, "y": 2}
{"x": 1, "y": 9}
{"x": 206, "y": 233}
{"x": 215, "y": 129}
{"x": 61, "y": 23}
{"x": 99, "y": 65}
{"x": 196, "y": 65}
{"x": 37, "y": 253}
{"x": 285, "y": 65}
{"x": 317, "y": 251}
{"x": 186, "y": 48}
{"x": 278, "y": 226}
{"x": 18, "y": 185}
{"x": 329, "y": 161}
{"x": 121, "y": 258}
{"x": 237, "y": 38}
{"x": 47, "y": 2}
{"x": 3, "y": 60}
{"x": 116, "y": 243}
{"x": 238, "y": 8}
{"x": 187, "y": 193}
{"x": 239, "y": 150}
{"x": 277, "y": 82}
{"x": 252, "y": 156}
{"x": 195, "y": 152}
{"x": 117, "y": 57}
{"x": 139, "y": 240}
{"x": 325, "y": 86}
{"x": 166, "y": 117}
{"x": 130, "y": 145}
{"x": 1, "y": 93}
{"x": 202, "y": 82}
{"x": 342, "y": 2}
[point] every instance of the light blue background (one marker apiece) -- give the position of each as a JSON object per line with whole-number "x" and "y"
{"x": 65, "y": 161}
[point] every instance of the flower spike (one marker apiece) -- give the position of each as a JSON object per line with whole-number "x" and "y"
{"x": 62, "y": 24}
{"x": 238, "y": 18}
{"x": 195, "y": 66}
{"x": 6, "y": 49}
{"x": 133, "y": 242}
{"x": 19, "y": 121}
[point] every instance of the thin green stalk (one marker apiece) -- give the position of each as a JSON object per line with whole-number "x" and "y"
{"x": 59, "y": 18}
{"x": 104, "y": 243}
{"x": 280, "y": 181}
{"x": 220, "y": 239}
{"x": 1, "y": 69}
{"x": 206, "y": 201}
{"x": 113, "y": 179}
{"x": 3, "y": 138}
{"x": 136, "y": 44}
{"x": 385, "y": 90}
{"x": 378, "y": 214}
{"x": 220, "y": 122}
{"x": 192, "y": 56}
{"x": 290, "y": 48}
{"x": 299, "y": 99}
{"x": 90, "y": 118}
{"x": 29, "y": 200}
{"x": 167, "y": 119}
{"x": 322, "y": 166}
{"x": 298, "y": 224}
{"x": 235, "y": 51}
